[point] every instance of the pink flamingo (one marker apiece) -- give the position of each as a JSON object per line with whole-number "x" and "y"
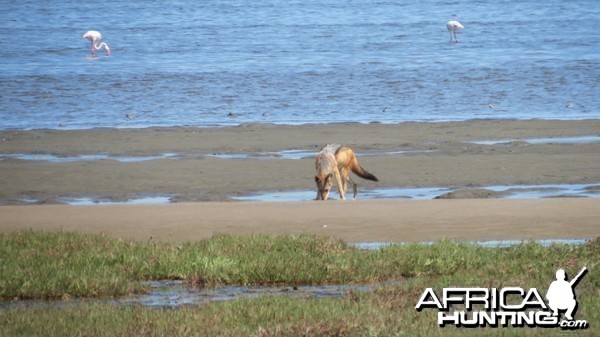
{"x": 95, "y": 37}
{"x": 453, "y": 26}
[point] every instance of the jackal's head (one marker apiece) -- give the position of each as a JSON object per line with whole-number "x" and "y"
{"x": 324, "y": 184}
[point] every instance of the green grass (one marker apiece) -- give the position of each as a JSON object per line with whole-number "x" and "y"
{"x": 55, "y": 265}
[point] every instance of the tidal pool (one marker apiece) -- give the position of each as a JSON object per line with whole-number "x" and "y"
{"x": 85, "y": 157}
{"x": 174, "y": 294}
{"x": 306, "y": 154}
{"x": 423, "y": 193}
{"x": 419, "y": 193}
{"x": 487, "y": 244}
{"x": 293, "y": 154}
{"x": 557, "y": 140}
{"x": 147, "y": 200}
{"x": 179, "y": 293}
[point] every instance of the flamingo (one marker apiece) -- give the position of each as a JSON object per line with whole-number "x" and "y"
{"x": 453, "y": 26}
{"x": 95, "y": 37}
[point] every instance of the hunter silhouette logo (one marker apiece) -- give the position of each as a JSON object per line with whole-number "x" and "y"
{"x": 561, "y": 294}
{"x": 508, "y": 306}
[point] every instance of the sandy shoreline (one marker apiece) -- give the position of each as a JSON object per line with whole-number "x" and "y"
{"x": 352, "y": 221}
{"x": 438, "y": 155}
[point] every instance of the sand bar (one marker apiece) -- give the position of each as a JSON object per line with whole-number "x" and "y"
{"x": 353, "y": 221}
{"x": 439, "y": 155}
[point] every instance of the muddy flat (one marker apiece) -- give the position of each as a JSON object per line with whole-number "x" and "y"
{"x": 198, "y": 165}
{"x": 353, "y": 221}
{"x": 203, "y": 169}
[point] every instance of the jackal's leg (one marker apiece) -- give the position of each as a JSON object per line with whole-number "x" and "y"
{"x": 344, "y": 178}
{"x": 354, "y": 187}
{"x": 339, "y": 184}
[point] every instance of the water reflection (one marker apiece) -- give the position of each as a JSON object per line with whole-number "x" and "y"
{"x": 557, "y": 140}
{"x": 174, "y": 294}
{"x": 424, "y": 193}
{"x": 486, "y": 244}
{"x": 84, "y": 157}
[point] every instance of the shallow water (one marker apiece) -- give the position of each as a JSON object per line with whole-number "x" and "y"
{"x": 85, "y": 157}
{"x": 175, "y": 294}
{"x": 295, "y": 62}
{"x": 143, "y": 200}
{"x": 487, "y": 244}
{"x": 557, "y": 140}
{"x": 422, "y": 193}
{"x": 285, "y": 154}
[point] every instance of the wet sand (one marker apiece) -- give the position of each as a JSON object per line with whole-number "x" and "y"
{"x": 352, "y": 221}
{"x": 443, "y": 158}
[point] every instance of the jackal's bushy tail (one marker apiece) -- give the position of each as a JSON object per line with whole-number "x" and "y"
{"x": 361, "y": 172}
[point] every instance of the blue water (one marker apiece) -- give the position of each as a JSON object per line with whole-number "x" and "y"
{"x": 426, "y": 193}
{"x": 237, "y": 61}
{"x": 487, "y": 244}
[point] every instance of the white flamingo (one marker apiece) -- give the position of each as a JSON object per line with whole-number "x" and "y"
{"x": 95, "y": 37}
{"x": 453, "y": 26}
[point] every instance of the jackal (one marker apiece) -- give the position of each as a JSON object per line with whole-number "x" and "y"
{"x": 336, "y": 161}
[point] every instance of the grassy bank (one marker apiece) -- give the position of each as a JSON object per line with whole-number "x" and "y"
{"x": 54, "y": 265}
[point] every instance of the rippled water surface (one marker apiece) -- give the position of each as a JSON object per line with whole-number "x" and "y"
{"x": 425, "y": 193}
{"x": 295, "y": 62}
